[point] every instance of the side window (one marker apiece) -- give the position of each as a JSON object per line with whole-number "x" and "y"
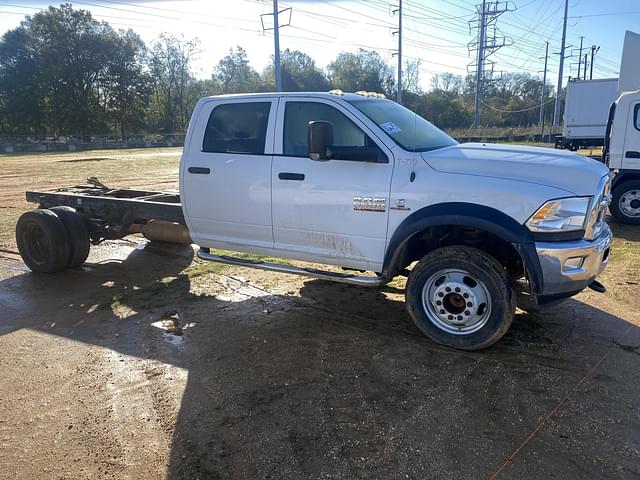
{"x": 297, "y": 116}
{"x": 636, "y": 117}
{"x": 237, "y": 128}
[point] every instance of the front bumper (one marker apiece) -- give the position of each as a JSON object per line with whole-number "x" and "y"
{"x": 569, "y": 267}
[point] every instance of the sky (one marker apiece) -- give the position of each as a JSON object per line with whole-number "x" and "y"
{"x": 435, "y": 32}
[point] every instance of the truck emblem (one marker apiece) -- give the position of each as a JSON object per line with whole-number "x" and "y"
{"x": 370, "y": 204}
{"x": 400, "y": 204}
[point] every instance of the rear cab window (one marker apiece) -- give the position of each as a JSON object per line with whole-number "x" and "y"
{"x": 238, "y": 128}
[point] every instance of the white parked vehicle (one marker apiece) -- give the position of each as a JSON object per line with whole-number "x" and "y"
{"x": 622, "y": 139}
{"x": 586, "y": 106}
{"x": 359, "y": 182}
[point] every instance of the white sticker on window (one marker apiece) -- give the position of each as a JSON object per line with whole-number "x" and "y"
{"x": 390, "y": 127}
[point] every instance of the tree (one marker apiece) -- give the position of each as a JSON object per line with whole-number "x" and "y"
{"x": 59, "y": 55}
{"x": 411, "y": 77}
{"x": 299, "y": 73}
{"x": 234, "y": 74}
{"x": 64, "y": 73}
{"x": 126, "y": 87}
{"x": 449, "y": 83}
{"x": 364, "y": 70}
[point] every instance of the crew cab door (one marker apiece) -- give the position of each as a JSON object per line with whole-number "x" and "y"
{"x": 332, "y": 211}
{"x": 631, "y": 149}
{"x": 226, "y": 174}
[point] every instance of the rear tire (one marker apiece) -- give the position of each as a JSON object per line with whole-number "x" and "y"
{"x": 625, "y": 202}
{"x": 43, "y": 241}
{"x": 78, "y": 234}
{"x": 460, "y": 297}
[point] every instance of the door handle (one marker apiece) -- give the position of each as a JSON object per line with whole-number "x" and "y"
{"x": 291, "y": 176}
{"x": 632, "y": 154}
{"x": 201, "y": 170}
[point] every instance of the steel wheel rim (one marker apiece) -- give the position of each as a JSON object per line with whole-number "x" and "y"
{"x": 629, "y": 203}
{"x": 456, "y": 301}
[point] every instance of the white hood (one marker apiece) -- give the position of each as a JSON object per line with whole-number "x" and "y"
{"x": 573, "y": 173}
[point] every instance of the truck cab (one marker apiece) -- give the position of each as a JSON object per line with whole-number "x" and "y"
{"x": 622, "y": 154}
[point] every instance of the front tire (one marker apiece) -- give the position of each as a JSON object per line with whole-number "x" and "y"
{"x": 460, "y": 297}
{"x": 625, "y": 202}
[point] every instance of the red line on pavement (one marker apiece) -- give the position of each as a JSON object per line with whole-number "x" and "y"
{"x": 557, "y": 408}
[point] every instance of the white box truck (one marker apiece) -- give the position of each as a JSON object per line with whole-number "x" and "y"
{"x": 585, "y": 112}
{"x": 621, "y": 151}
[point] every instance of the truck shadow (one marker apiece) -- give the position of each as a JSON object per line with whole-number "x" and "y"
{"x": 624, "y": 231}
{"x": 335, "y": 381}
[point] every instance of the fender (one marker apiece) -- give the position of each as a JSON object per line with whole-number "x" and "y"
{"x": 467, "y": 215}
{"x": 625, "y": 174}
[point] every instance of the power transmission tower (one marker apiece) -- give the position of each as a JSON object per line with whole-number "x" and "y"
{"x": 556, "y": 110}
{"x": 487, "y": 43}
{"x": 544, "y": 84}
{"x": 276, "y": 39}
{"x": 399, "y": 53}
{"x": 594, "y": 50}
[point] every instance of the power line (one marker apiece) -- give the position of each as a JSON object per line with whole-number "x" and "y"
{"x": 517, "y": 111}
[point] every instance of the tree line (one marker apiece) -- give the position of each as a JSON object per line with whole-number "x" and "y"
{"x": 65, "y": 74}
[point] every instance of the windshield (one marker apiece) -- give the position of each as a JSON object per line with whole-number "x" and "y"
{"x": 410, "y": 131}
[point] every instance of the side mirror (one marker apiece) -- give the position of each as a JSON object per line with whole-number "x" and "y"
{"x": 320, "y": 137}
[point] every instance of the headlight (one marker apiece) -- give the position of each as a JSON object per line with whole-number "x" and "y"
{"x": 563, "y": 215}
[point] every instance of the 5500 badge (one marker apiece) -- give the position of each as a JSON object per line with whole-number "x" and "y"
{"x": 370, "y": 204}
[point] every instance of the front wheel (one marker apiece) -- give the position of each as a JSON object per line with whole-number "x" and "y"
{"x": 625, "y": 202}
{"x": 460, "y": 297}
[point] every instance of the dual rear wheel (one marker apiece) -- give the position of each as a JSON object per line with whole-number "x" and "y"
{"x": 50, "y": 240}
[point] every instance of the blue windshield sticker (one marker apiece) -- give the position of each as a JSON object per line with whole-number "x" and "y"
{"x": 391, "y": 128}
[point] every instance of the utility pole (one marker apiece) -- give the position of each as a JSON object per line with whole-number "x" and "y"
{"x": 480, "y": 64}
{"x": 585, "y": 66}
{"x": 276, "y": 42}
{"x": 556, "y": 110}
{"x": 486, "y": 44}
{"x": 580, "y": 58}
{"x": 544, "y": 84}
{"x": 594, "y": 50}
{"x": 399, "y": 52}
{"x": 277, "y": 71}
{"x": 399, "y": 95}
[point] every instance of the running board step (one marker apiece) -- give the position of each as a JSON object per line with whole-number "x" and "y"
{"x": 307, "y": 272}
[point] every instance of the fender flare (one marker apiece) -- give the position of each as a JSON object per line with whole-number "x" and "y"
{"x": 467, "y": 215}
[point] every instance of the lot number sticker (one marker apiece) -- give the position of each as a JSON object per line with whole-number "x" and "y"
{"x": 390, "y": 127}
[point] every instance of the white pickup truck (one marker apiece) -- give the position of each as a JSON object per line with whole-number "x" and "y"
{"x": 359, "y": 182}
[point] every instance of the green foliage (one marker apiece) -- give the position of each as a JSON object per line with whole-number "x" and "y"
{"x": 169, "y": 63}
{"x": 234, "y": 74}
{"x": 63, "y": 73}
{"x": 299, "y": 73}
{"x": 364, "y": 70}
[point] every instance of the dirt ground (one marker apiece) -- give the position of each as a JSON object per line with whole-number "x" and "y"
{"x": 148, "y": 364}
